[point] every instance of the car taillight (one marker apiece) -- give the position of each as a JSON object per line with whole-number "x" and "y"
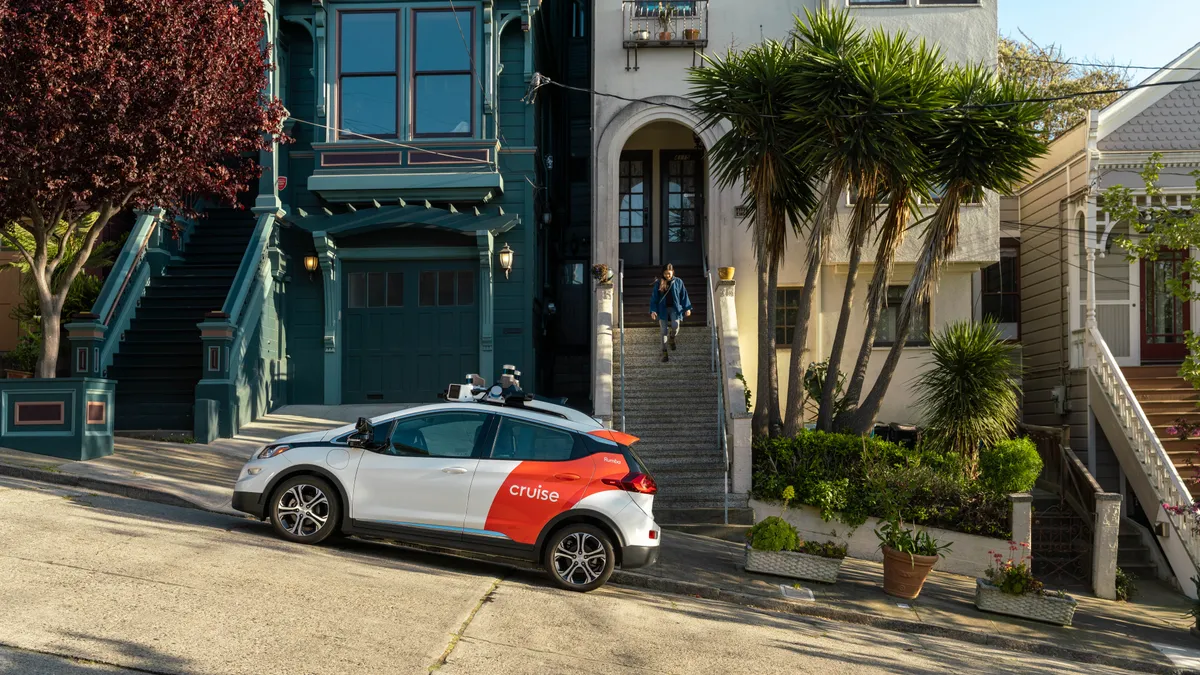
{"x": 634, "y": 482}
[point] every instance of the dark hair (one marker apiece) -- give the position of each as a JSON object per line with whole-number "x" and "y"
{"x": 662, "y": 277}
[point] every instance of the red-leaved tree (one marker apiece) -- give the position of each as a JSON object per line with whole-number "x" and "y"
{"x": 110, "y": 104}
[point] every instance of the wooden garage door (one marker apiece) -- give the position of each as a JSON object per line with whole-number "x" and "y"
{"x": 409, "y": 329}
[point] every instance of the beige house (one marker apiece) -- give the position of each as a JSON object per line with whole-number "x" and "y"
{"x": 655, "y": 201}
{"x": 1102, "y": 337}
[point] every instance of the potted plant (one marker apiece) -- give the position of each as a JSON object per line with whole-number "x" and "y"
{"x": 691, "y": 33}
{"x": 666, "y": 17}
{"x": 641, "y": 35}
{"x": 602, "y": 273}
{"x": 774, "y": 547}
{"x": 725, "y": 273}
{"x": 908, "y": 556}
{"x": 1010, "y": 588}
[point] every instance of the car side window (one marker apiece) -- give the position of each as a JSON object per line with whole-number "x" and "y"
{"x": 451, "y": 434}
{"x": 525, "y": 441}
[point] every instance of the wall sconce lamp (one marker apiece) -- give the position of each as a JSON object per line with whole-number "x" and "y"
{"x": 310, "y": 264}
{"x": 506, "y": 260}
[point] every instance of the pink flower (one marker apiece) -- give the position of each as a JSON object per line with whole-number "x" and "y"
{"x": 1172, "y": 431}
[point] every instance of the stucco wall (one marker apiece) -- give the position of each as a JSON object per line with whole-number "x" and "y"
{"x": 964, "y": 34}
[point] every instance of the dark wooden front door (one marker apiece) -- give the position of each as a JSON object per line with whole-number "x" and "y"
{"x": 682, "y": 207}
{"x": 1165, "y": 318}
{"x": 635, "y": 195}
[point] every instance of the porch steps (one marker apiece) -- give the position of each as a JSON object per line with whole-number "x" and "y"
{"x": 1132, "y": 554}
{"x": 1166, "y": 397}
{"x": 160, "y": 359}
{"x": 672, "y": 408}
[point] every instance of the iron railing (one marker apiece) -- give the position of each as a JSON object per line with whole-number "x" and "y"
{"x": 718, "y": 367}
{"x": 685, "y": 26}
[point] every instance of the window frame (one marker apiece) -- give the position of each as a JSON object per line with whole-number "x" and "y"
{"x": 413, "y": 74}
{"x": 878, "y": 343}
{"x": 1006, "y": 244}
{"x": 779, "y": 308}
{"x": 396, "y": 73}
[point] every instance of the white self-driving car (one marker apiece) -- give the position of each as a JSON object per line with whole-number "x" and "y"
{"x": 486, "y": 471}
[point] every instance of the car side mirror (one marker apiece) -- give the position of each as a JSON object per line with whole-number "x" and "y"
{"x": 363, "y": 436}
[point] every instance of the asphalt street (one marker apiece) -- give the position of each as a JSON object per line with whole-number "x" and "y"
{"x": 99, "y": 584}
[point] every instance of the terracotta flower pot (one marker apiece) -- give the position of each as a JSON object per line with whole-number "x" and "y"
{"x": 725, "y": 273}
{"x": 18, "y": 375}
{"x": 691, "y": 33}
{"x": 904, "y": 575}
{"x": 665, "y": 35}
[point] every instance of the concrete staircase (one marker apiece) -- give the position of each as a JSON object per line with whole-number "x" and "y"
{"x": 672, "y": 408}
{"x": 1166, "y": 397}
{"x": 1132, "y": 554}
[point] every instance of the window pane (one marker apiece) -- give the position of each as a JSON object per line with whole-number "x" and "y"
{"x": 368, "y": 42}
{"x": 918, "y": 332}
{"x": 369, "y": 105}
{"x": 443, "y": 104}
{"x": 466, "y": 288}
{"x": 440, "y": 41}
{"x": 356, "y": 290}
{"x": 395, "y": 289}
{"x": 445, "y": 291}
{"x": 376, "y": 290}
{"x": 427, "y": 289}
{"x": 531, "y": 442}
{"x": 444, "y": 435}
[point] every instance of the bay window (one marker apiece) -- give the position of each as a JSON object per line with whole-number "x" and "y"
{"x": 443, "y": 84}
{"x": 368, "y": 73}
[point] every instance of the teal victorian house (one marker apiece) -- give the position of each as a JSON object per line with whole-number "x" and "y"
{"x": 391, "y": 249}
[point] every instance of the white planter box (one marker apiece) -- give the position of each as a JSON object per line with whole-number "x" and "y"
{"x": 1047, "y": 608}
{"x": 794, "y": 565}
{"x": 969, "y": 555}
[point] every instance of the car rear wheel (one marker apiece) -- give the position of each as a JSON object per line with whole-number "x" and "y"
{"x": 580, "y": 557}
{"x": 305, "y": 509}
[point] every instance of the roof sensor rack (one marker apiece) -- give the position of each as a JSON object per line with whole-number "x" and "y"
{"x": 506, "y": 390}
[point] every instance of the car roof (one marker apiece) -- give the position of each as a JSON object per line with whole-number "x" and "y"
{"x": 543, "y": 413}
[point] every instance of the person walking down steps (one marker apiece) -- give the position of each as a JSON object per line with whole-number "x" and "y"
{"x": 669, "y": 304}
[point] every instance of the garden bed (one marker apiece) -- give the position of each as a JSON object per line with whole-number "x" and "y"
{"x": 793, "y": 565}
{"x": 1049, "y": 608}
{"x": 970, "y": 554}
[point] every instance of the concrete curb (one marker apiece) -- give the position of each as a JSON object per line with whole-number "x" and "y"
{"x": 108, "y": 487}
{"x": 1036, "y": 647}
{"x": 676, "y": 587}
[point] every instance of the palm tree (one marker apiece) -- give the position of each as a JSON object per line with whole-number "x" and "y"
{"x": 986, "y": 142}
{"x": 750, "y": 90}
{"x": 852, "y": 94}
{"x": 969, "y": 394}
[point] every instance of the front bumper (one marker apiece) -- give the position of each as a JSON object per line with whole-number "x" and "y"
{"x": 250, "y": 502}
{"x": 633, "y": 557}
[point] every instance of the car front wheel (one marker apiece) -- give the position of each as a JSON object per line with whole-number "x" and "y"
{"x": 580, "y": 558}
{"x": 305, "y": 509}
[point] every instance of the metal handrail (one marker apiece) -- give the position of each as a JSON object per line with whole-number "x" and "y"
{"x": 718, "y": 367}
{"x": 621, "y": 328}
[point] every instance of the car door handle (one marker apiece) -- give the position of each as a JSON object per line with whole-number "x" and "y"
{"x": 454, "y": 470}
{"x": 566, "y": 476}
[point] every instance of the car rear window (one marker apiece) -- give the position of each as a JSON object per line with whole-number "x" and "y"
{"x": 636, "y": 464}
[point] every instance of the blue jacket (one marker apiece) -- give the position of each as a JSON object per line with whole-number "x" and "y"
{"x": 670, "y": 305}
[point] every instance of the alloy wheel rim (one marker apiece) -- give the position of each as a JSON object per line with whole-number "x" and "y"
{"x": 303, "y": 510}
{"x": 580, "y": 558}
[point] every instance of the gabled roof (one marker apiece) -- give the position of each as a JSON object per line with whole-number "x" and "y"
{"x": 1168, "y": 125}
{"x": 403, "y": 214}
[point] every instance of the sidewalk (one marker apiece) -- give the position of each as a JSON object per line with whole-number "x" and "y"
{"x": 1136, "y": 635}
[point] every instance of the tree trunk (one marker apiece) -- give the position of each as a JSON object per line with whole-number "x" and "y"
{"x": 833, "y": 371}
{"x": 761, "y": 422}
{"x": 47, "y": 364}
{"x": 776, "y": 421}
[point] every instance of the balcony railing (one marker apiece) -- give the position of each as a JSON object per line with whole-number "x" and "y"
{"x": 669, "y": 23}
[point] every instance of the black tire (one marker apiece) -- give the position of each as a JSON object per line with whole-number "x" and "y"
{"x": 576, "y": 570}
{"x": 305, "y": 509}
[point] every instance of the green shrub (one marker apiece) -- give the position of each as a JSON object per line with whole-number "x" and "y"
{"x": 773, "y": 534}
{"x": 1126, "y": 588}
{"x": 823, "y": 550}
{"x": 1010, "y": 466}
{"x": 852, "y": 478}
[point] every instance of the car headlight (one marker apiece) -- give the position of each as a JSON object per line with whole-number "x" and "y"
{"x": 273, "y": 450}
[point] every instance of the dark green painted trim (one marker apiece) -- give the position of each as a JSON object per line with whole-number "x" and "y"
{"x": 409, "y": 253}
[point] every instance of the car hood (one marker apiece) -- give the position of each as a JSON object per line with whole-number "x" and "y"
{"x": 308, "y": 437}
